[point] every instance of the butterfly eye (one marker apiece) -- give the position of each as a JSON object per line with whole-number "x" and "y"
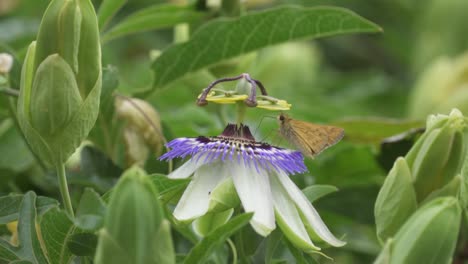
{"x": 281, "y": 118}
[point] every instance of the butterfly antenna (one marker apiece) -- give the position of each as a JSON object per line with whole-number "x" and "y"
{"x": 259, "y": 123}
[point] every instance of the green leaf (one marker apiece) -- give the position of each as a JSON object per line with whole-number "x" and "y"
{"x": 272, "y": 243}
{"x": 56, "y": 230}
{"x": 97, "y": 170}
{"x": 91, "y": 210}
{"x": 29, "y": 248}
{"x": 107, "y": 10}
{"x": 96, "y": 164}
{"x": 151, "y": 18}
{"x": 206, "y": 246}
{"x": 374, "y": 130}
{"x": 316, "y": 192}
{"x": 82, "y": 244}
{"x": 227, "y": 38}
{"x": 299, "y": 256}
{"x": 10, "y": 206}
{"x": 251, "y": 243}
{"x": 168, "y": 188}
{"x": 210, "y": 221}
{"x": 19, "y": 157}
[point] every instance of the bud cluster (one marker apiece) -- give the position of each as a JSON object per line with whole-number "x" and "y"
{"x": 424, "y": 193}
{"x": 61, "y": 81}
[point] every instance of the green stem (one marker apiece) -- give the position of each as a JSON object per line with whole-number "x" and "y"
{"x": 234, "y": 251}
{"x": 241, "y": 107}
{"x": 62, "y": 178}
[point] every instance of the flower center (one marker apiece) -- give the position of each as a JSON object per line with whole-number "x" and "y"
{"x": 236, "y": 143}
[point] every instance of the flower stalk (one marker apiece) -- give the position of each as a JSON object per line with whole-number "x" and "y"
{"x": 62, "y": 177}
{"x": 241, "y": 108}
{"x": 60, "y": 86}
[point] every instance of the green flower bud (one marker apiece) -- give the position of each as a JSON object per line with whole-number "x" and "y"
{"x": 438, "y": 155}
{"x": 429, "y": 235}
{"x": 61, "y": 81}
{"x": 452, "y": 188}
{"x": 55, "y": 74}
{"x": 464, "y": 187}
{"x": 396, "y": 200}
{"x": 385, "y": 253}
{"x": 165, "y": 252}
{"x": 132, "y": 226}
{"x": 70, "y": 28}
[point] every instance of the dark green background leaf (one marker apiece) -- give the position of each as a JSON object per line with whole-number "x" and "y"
{"x": 168, "y": 188}
{"x": 203, "y": 249}
{"x": 374, "y": 130}
{"x": 10, "y": 206}
{"x": 151, "y": 18}
{"x": 56, "y": 230}
{"x": 29, "y": 248}
{"x": 91, "y": 210}
{"x": 19, "y": 158}
{"x": 315, "y": 192}
{"x": 107, "y": 10}
{"x": 82, "y": 244}
{"x": 227, "y": 38}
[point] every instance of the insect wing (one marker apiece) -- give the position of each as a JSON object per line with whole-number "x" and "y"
{"x": 311, "y": 138}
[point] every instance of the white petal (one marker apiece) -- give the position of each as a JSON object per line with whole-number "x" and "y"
{"x": 254, "y": 192}
{"x": 309, "y": 211}
{"x": 288, "y": 218}
{"x": 185, "y": 170}
{"x": 195, "y": 200}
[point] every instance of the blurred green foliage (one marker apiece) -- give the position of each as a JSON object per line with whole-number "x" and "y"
{"x": 374, "y": 85}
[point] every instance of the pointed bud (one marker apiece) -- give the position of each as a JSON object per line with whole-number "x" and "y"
{"x": 429, "y": 235}
{"x": 439, "y": 154}
{"x": 132, "y": 226}
{"x": 48, "y": 116}
{"x": 61, "y": 81}
{"x": 395, "y": 202}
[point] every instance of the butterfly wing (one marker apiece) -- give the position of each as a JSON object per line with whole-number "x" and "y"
{"x": 311, "y": 139}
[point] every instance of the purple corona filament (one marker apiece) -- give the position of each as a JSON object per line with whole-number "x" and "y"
{"x": 237, "y": 144}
